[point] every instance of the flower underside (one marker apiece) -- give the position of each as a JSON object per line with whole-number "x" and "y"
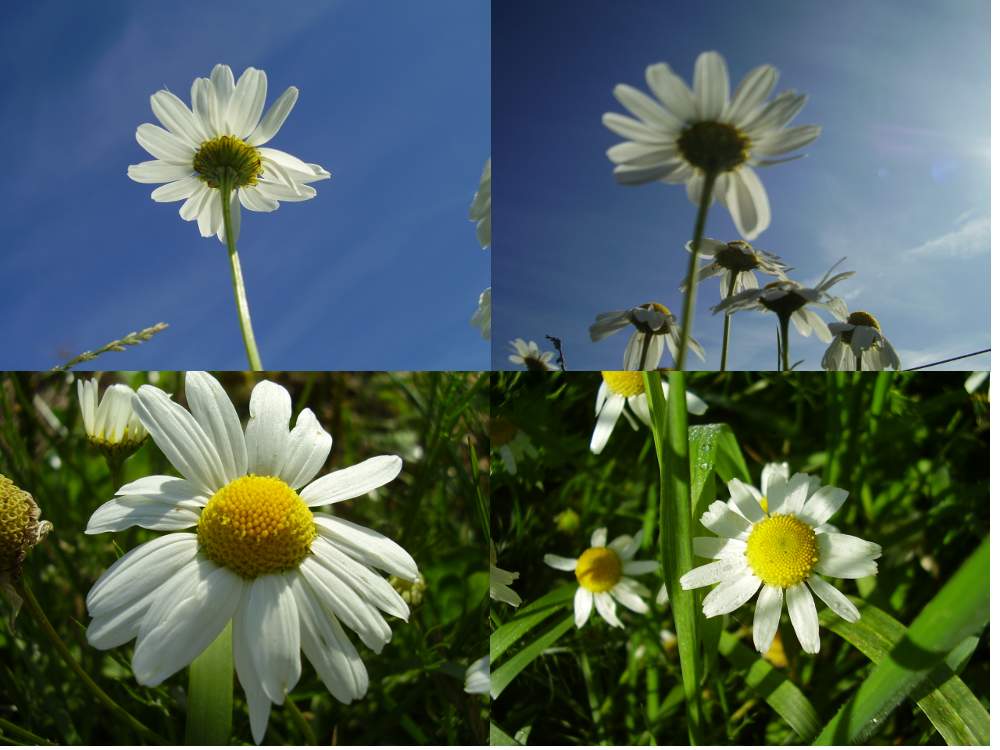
{"x": 862, "y": 318}
{"x": 737, "y": 256}
{"x": 256, "y": 526}
{"x": 782, "y": 551}
{"x": 599, "y": 569}
{"x": 644, "y": 326}
{"x": 624, "y": 383}
{"x": 227, "y": 159}
{"x": 714, "y": 146}
{"x": 534, "y": 363}
{"x": 787, "y": 303}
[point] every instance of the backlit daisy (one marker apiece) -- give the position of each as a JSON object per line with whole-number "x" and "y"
{"x": 500, "y": 581}
{"x": 603, "y": 572}
{"x": 778, "y": 541}
{"x": 257, "y": 555}
{"x": 110, "y": 423}
{"x": 218, "y": 146}
{"x": 484, "y": 313}
{"x": 654, "y": 325}
{"x": 859, "y": 341}
{"x": 477, "y": 676}
{"x": 621, "y": 388}
{"x": 528, "y": 354}
{"x": 735, "y": 263}
{"x": 686, "y": 134}
{"x": 482, "y": 206}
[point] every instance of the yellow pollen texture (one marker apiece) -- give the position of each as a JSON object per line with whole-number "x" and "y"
{"x": 255, "y": 526}
{"x": 599, "y": 569}
{"x": 18, "y": 521}
{"x": 782, "y": 551}
{"x": 626, "y": 383}
{"x": 659, "y": 308}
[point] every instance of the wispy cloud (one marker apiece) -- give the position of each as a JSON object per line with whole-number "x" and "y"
{"x": 970, "y": 239}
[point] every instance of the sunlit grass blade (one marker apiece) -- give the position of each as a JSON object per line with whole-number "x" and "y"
{"x": 959, "y": 609}
{"x": 500, "y": 737}
{"x": 210, "y": 693}
{"x": 528, "y": 617}
{"x": 770, "y": 684}
{"x": 500, "y": 678}
{"x": 670, "y": 435}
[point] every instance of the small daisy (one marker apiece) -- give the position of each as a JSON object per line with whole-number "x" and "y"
{"x": 777, "y": 540}
{"x": 20, "y": 530}
{"x": 257, "y": 555}
{"x": 603, "y": 572}
{"x": 735, "y": 263}
{"x": 477, "y": 676}
{"x": 482, "y": 206}
{"x": 110, "y": 423}
{"x": 528, "y": 354}
{"x": 218, "y": 146}
{"x": 500, "y": 581}
{"x": 484, "y": 313}
{"x": 621, "y": 388}
{"x": 687, "y": 134}
{"x": 859, "y": 341}
{"x": 654, "y": 323}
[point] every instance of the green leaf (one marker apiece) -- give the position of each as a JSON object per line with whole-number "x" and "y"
{"x": 959, "y": 609}
{"x": 770, "y": 684}
{"x": 500, "y": 737}
{"x": 528, "y": 617}
{"x": 502, "y": 677}
{"x": 210, "y": 693}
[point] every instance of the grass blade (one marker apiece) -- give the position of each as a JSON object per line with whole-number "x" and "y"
{"x": 527, "y": 617}
{"x": 500, "y": 737}
{"x": 502, "y": 677}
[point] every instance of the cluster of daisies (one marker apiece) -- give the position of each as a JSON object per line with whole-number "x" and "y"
{"x": 712, "y": 141}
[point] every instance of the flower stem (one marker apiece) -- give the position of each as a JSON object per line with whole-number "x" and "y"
{"x": 308, "y": 735}
{"x": 857, "y": 362}
{"x": 699, "y": 230}
{"x": 35, "y": 610}
{"x": 784, "y": 319}
{"x": 645, "y": 350}
{"x": 239, "y": 289}
{"x": 210, "y": 693}
{"x": 726, "y": 324}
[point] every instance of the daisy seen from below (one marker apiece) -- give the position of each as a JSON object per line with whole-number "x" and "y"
{"x": 858, "y": 344}
{"x": 500, "y": 581}
{"x": 621, "y": 389}
{"x": 258, "y": 556}
{"x": 790, "y": 301}
{"x": 655, "y": 327}
{"x": 110, "y": 421}
{"x": 528, "y": 354}
{"x": 482, "y": 318}
{"x": 481, "y": 209}
{"x": 705, "y": 138}
{"x": 603, "y": 572}
{"x": 776, "y": 540}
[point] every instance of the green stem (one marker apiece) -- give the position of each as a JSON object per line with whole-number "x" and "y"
{"x": 24, "y": 734}
{"x": 725, "y": 325}
{"x": 239, "y": 289}
{"x": 699, "y": 230}
{"x": 35, "y": 610}
{"x": 210, "y": 693}
{"x": 784, "y": 319}
{"x": 857, "y": 363}
{"x": 646, "y": 338}
{"x": 300, "y": 721}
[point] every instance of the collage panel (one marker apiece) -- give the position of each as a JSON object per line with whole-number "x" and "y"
{"x": 294, "y": 558}
{"x": 740, "y": 559}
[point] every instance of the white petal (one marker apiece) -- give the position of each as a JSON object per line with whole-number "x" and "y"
{"x": 747, "y": 203}
{"x": 246, "y": 635}
{"x": 802, "y": 610}
{"x": 560, "y": 563}
{"x": 178, "y": 119}
{"x": 274, "y": 617}
{"x": 718, "y": 547}
{"x": 126, "y": 512}
{"x": 640, "y": 567}
{"x": 278, "y": 192}
{"x": 744, "y": 499}
{"x": 711, "y": 85}
{"x": 308, "y": 447}
{"x": 766, "y": 617}
{"x": 783, "y": 141}
{"x": 753, "y": 90}
{"x": 252, "y": 200}
{"x": 672, "y": 91}
{"x": 193, "y": 206}
{"x": 845, "y": 556}
{"x": 217, "y": 416}
{"x": 606, "y": 608}
{"x": 247, "y": 102}
{"x": 205, "y": 106}
{"x": 792, "y": 499}
{"x": 177, "y": 190}
{"x": 371, "y": 586}
{"x": 822, "y": 505}
{"x": 367, "y": 546}
{"x": 583, "y": 602}
{"x": 647, "y": 110}
{"x": 353, "y": 481}
{"x": 629, "y": 599}
{"x": 638, "y": 174}
{"x": 730, "y": 594}
{"x": 267, "y": 430}
{"x": 164, "y": 489}
{"x": 706, "y": 575}
{"x": 274, "y": 118}
{"x": 599, "y": 538}
{"x": 834, "y": 599}
{"x": 346, "y": 604}
{"x": 606, "y": 422}
{"x": 165, "y": 146}
{"x": 634, "y": 130}
{"x": 724, "y": 522}
{"x": 158, "y": 171}
{"x": 224, "y": 85}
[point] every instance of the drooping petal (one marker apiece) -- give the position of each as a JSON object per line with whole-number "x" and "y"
{"x": 834, "y": 599}
{"x": 341, "y": 599}
{"x": 606, "y": 608}
{"x": 766, "y": 617}
{"x": 747, "y": 202}
{"x": 274, "y": 617}
{"x": 802, "y": 611}
{"x": 371, "y": 586}
{"x": 731, "y": 594}
{"x": 177, "y": 190}
{"x": 583, "y": 603}
{"x": 246, "y": 634}
{"x": 367, "y": 546}
{"x": 629, "y": 599}
{"x": 606, "y": 421}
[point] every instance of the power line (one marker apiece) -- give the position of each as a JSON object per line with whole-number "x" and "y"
{"x": 943, "y": 361}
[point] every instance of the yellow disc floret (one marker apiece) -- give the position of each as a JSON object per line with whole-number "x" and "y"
{"x": 20, "y": 528}
{"x": 255, "y": 526}
{"x": 862, "y": 318}
{"x": 782, "y": 551}
{"x": 599, "y": 569}
{"x": 625, "y": 383}
{"x": 228, "y": 159}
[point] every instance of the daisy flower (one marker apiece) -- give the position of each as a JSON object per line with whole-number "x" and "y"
{"x": 528, "y": 354}
{"x": 256, "y": 555}
{"x": 603, "y": 572}
{"x": 217, "y": 146}
{"x": 859, "y": 341}
{"x": 482, "y": 206}
{"x": 682, "y": 135}
{"x": 484, "y": 313}
{"x": 500, "y": 581}
{"x": 735, "y": 263}
{"x": 621, "y": 388}
{"x": 653, "y": 324}
{"x": 110, "y": 423}
{"x": 20, "y": 530}
{"x": 477, "y": 676}
{"x": 777, "y": 541}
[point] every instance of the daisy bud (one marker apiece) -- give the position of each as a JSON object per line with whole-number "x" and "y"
{"x": 20, "y": 529}
{"x": 111, "y": 423}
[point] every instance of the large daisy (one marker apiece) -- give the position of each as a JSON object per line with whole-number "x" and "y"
{"x": 603, "y": 572}
{"x": 257, "y": 555}
{"x": 683, "y": 134}
{"x": 619, "y": 389}
{"x": 654, "y": 324}
{"x": 858, "y": 343}
{"x": 218, "y": 146}
{"x": 777, "y": 541}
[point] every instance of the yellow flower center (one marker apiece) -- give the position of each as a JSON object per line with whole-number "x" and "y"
{"x": 862, "y": 318}
{"x": 599, "y": 569}
{"x": 624, "y": 383}
{"x": 782, "y": 551}
{"x": 737, "y": 256}
{"x": 228, "y": 159}
{"x": 255, "y": 526}
{"x": 714, "y": 146}
{"x": 20, "y": 529}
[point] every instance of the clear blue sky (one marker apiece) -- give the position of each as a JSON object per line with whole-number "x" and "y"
{"x": 380, "y": 271}
{"x": 897, "y": 182}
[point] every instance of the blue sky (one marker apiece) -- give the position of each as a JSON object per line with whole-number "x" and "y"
{"x": 380, "y": 271}
{"x": 897, "y": 182}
